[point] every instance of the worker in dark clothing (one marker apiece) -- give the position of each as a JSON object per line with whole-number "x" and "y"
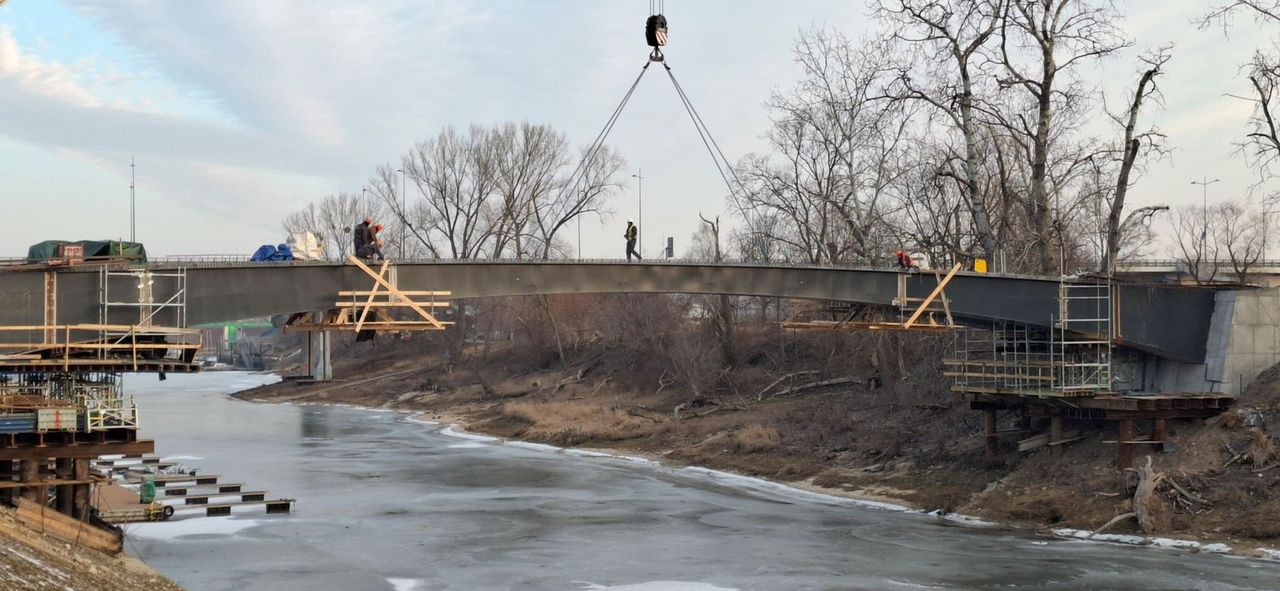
{"x": 633, "y": 232}
{"x": 360, "y": 237}
{"x": 905, "y": 263}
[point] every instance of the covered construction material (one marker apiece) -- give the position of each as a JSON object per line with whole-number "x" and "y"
{"x": 306, "y": 246}
{"x": 133, "y": 251}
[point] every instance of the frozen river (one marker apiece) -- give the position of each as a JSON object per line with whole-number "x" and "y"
{"x": 388, "y": 504}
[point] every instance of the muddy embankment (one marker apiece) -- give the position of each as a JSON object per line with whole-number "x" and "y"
{"x": 852, "y": 416}
{"x": 31, "y": 560}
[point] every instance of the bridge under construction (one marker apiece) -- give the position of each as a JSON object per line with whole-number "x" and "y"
{"x": 1057, "y": 353}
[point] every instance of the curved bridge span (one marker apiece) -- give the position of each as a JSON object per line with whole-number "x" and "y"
{"x": 1170, "y": 322}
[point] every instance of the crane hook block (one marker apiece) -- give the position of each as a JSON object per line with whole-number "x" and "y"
{"x": 655, "y": 30}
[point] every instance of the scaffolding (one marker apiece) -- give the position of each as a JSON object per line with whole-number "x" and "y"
{"x": 143, "y": 333}
{"x": 1083, "y": 334}
{"x": 1070, "y": 358}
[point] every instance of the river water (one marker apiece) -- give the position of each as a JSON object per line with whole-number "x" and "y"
{"x": 385, "y": 503}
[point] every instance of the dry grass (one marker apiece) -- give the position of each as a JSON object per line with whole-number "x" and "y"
{"x": 756, "y": 438}
{"x": 572, "y": 422}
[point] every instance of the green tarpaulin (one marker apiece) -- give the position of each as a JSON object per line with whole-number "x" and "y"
{"x": 92, "y": 248}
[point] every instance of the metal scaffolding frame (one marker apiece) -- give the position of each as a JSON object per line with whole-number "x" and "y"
{"x": 1073, "y": 358}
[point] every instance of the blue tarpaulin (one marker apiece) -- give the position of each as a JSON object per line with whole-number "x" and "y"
{"x": 266, "y": 252}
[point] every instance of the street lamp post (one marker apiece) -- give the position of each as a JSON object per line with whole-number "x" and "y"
{"x": 640, "y": 214}
{"x": 404, "y": 212}
{"x": 1204, "y": 183}
{"x": 133, "y": 182}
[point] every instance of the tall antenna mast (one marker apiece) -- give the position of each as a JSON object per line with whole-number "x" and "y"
{"x": 133, "y": 178}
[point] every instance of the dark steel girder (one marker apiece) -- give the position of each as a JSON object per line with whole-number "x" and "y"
{"x": 1171, "y": 322}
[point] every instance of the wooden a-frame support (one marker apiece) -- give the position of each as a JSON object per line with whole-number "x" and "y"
{"x": 370, "y": 313}
{"x": 901, "y": 301}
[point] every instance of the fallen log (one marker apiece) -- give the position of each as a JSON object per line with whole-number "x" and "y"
{"x": 808, "y": 372}
{"x": 821, "y": 384}
{"x": 1114, "y": 520}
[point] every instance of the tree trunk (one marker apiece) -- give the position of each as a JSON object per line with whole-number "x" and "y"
{"x": 1149, "y": 507}
{"x": 1131, "y": 147}
{"x": 977, "y": 204}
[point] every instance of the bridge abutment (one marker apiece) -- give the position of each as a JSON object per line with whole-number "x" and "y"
{"x": 1243, "y": 342}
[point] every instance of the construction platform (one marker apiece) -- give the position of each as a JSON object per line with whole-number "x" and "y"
{"x": 178, "y": 494}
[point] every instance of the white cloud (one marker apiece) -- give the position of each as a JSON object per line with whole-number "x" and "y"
{"x": 30, "y": 74}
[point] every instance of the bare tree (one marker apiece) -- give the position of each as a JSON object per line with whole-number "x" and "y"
{"x": 596, "y": 183}
{"x": 1194, "y": 246}
{"x": 1131, "y": 147}
{"x": 1240, "y": 234}
{"x": 1260, "y": 9}
{"x": 722, "y": 309}
{"x": 1041, "y": 42}
{"x": 834, "y": 157}
{"x": 1261, "y": 145}
{"x": 951, "y": 35}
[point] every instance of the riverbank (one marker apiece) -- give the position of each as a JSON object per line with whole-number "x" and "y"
{"x": 31, "y": 560}
{"x": 937, "y": 467}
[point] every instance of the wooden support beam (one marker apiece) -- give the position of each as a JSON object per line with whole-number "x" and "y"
{"x": 991, "y": 436}
{"x": 81, "y": 493}
{"x": 1055, "y": 435}
{"x": 1160, "y": 432}
{"x": 79, "y": 451}
{"x": 929, "y": 300}
{"x": 358, "y": 305}
{"x": 1126, "y": 446}
{"x": 377, "y": 278}
{"x": 408, "y": 292}
{"x": 30, "y": 476}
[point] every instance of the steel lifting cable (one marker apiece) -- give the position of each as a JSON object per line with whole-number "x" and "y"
{"x": 585, "y": 164}
{"x": 713, "y": 148}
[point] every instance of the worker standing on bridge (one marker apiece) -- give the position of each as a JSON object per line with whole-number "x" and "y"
{"x": 360, "y": 237}
{"x": 633, "y": 231}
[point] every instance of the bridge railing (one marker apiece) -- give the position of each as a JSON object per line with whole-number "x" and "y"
{"x": 1182, "y": 264}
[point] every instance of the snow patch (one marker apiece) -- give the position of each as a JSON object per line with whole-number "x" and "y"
{"x": 654, "y": 586}
{"x": 177, "y": 458}
{"x": 533, "y": 446}
{"x": 207, "y": 526}
{"x": 421, "y": 421}
{"x": 965, "y": 520}
{"x": 405, "y": 584}
{"x": 468, "y": 445}
{"x": 452, "y": 431}
{"x": 1270, "y": 553}
{"x": 582, "y": 453}
{"x": 1134, "y": 540}
{"x": 759, "y": 484}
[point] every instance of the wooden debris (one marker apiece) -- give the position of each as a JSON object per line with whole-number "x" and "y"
{"x": 1147, "y": 505}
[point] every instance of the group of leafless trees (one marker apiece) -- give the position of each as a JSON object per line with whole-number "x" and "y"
{"x": 506, "y": 191}
{"x": 957, "y": 131}
{"x": 962, "y": 129}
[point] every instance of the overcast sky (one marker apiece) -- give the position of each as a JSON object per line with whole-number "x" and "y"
{"x": 240, "y": 111}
